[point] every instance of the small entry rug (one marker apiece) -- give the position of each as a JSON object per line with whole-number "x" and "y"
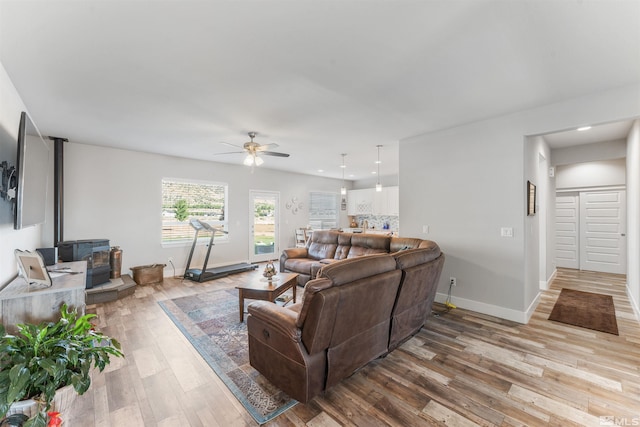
{"x": 210, "y": 321}
{"x": 585, "y": 309}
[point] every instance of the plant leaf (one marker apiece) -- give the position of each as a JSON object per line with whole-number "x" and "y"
{"x": 40, "y": 420}
{"x": 19, "y": 376}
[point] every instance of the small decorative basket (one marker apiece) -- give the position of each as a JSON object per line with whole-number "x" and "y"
{"x": 269, "y": 271}
{"x": 147, "y": 274}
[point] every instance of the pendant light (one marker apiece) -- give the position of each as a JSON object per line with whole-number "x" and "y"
{"x": 378, "y": 185}
{"x": 343, "y": 189}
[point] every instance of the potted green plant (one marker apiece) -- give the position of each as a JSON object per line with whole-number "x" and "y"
{"x": 41, "y": 359}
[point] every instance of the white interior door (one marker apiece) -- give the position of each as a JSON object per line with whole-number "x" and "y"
{"x": 264, "y": 233}
{"x": 567, "y": 237}
{"x": 603, "y": 231}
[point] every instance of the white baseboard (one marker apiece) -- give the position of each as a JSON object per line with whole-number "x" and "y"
{"x": 545, "y": 285}
{"x": 532, "y": 307}
{"x": 491, "y": 310}
{"x": 634, "y": 303}
{"x": 168, "y": 272}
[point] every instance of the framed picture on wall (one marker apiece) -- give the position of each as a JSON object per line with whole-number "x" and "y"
{"x": 531, "y": 199}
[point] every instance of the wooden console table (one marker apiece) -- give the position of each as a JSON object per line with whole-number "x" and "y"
{"x": 20, "y": 303}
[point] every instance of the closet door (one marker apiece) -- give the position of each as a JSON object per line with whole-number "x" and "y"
{"x": 603, "y": 244}
{"x": 567, "y": 237}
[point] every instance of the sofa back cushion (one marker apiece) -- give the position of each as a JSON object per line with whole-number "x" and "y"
{"x": 362, "y": 322}
{"x": 344, "y": 244}
{"x": 317, "y": 316}
{"x": 367, "y": 244}
{"x": 403, "y": 243}
{"x": 412, "y": 257}
{"x": 310, "y": 290}
{"x": 350, "y": 270}
{"x": 429, "y": 244}
{"x": 421, "y": 270}
{"x": 323, "y": 244}
{"x": 320, "y": 298}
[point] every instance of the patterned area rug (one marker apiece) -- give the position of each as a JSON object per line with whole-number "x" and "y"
{"x": 211, "y": 324}
{"x": 585, "y": 309}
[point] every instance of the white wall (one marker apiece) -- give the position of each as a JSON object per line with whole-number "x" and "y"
{"x": 11, "y": 106}
{"x": 540, "y": 266}
{"x": 116, "y": 194}
{"x": 591, "y": 174}
{"x": 633, "y": 216}
{"x": 385, "y": 181}
{"x": 606, "y": 150}
{"x": 469, "y": 181}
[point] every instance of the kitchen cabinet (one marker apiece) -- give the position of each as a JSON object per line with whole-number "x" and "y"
{"x": 370, "y": 202}
{"x": 379, "y": 202}
{"x": 360, "y": 202}
{"x": 386, "y": 202}
{"x": 393, "y": 201}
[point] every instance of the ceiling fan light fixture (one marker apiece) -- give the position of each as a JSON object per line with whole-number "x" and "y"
{"x": 254, "y": 151}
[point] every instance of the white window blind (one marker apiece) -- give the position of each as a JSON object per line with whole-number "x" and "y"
{"x": 323, "y": 210}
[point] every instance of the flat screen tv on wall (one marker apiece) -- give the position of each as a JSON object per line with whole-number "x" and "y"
{"x": 32, "y": 170}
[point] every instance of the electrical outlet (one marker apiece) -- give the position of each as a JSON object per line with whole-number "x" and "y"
{"x": 170, "y": 260}
{"x": 506, "y": 232}
{"x": 453, "y": 281}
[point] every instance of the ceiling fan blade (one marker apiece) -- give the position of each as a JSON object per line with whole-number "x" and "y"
{"x": 232, "y": 145}
{"x": 266, "y": 147}
{"x": 274, "y": 153}
{"x": 229, "y": 152}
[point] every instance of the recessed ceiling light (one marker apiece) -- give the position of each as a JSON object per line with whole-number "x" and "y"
{"x": 320, "y": 170}
{"x": 584, "y": 128}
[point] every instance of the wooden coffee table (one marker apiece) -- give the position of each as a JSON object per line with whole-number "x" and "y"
{"x": 258, "y": 288}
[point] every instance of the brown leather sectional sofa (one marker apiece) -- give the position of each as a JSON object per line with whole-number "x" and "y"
{"x": 327, "y": 246}
{"x": 356, "y": 310}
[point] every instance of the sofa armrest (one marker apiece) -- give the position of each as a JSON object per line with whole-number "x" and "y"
{"x": 292, "y": 253}
{"x": 281, "y": 319}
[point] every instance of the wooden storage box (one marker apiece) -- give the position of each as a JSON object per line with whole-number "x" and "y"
{"x": 146, "y": 274}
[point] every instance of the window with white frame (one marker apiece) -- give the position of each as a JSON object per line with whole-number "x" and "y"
{"x": 323, "y": 210}
{"x": 183, "y": 200}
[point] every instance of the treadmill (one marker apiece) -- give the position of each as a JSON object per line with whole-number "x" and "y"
{"x": 204, "y": 274}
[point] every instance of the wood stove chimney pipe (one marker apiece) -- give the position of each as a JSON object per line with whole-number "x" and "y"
{"x": 58, "y": 189}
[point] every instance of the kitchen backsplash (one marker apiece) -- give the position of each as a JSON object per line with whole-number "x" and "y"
{"x": 378, "y": 221}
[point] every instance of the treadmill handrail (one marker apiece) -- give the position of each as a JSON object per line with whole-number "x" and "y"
{"x": 212, "y": 228}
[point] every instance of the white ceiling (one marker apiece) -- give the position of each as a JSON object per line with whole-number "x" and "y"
{"x": 320, "y": 78}
{"x": 598, "y": 133}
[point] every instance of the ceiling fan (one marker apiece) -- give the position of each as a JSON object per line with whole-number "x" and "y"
{"x": 254, "y": 150}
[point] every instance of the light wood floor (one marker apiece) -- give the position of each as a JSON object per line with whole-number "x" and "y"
{"x": 462, "y": 369}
